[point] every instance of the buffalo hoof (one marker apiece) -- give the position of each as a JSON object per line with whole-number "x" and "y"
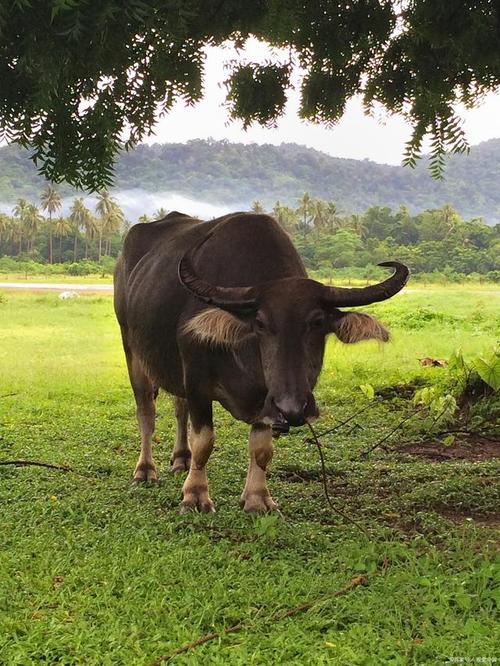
{"x": 198, "y": 500}
{"x": 258, "y": 503}
{"x": 180, "y": 464}
{"x": 145, "y": 473}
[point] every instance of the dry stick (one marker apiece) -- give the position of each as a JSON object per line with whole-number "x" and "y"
{"x": 7, "y": 395}
{"x": 386, "y": 437}
{"x": 355, "y": 582}
{"x": 37, "y": 463}
{"x": 325, "y": 485}
{"x": 367, "y": 451}
{"x": 343, "y": 423}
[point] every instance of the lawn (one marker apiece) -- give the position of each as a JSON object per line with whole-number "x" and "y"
{"x": 94, "y": 570}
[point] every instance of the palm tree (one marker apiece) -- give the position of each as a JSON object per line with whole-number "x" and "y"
{"x": 90, "y": 226}
{"x": 51, "y": 202}
{"x": 305, "y": 210}
{"x": 4, "y": 226}
{"x": 31, "y": 221}
{"x": 319, "y": 210}
{"x": 257, "y": 207}
{"x": 112, "y": 223}
{"x": 14, "y": 234}
{"x": 332, "y": 215}
{"x": 62, "y": 227}
{"x": 358, "y": 225}
{"x": 160, "y": 213}
{"x": 110, "y": 219}
{"x": 285, "y": 216}
{"x": 19, "y": 211}
{"x": 78, "y": 217}
{"x": 143, "y": 219}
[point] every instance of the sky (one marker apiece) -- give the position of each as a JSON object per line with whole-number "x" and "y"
{"x": 381, "y": 138}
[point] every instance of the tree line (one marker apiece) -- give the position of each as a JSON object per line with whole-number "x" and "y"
{"x": 330, "y": 242}
{"x": 41, "y": 233}
{"x": 432, "y": 241}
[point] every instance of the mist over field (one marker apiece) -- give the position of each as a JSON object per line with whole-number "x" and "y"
{"x": 137, "y": 202}
{"x": 210, "y": 177}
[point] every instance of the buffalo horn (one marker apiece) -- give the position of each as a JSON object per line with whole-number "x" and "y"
{"x": 352, "y": 297}
{"x": 233, "y": 299}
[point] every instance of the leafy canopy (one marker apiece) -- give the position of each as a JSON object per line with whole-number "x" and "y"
{"x": 79, "y": 80}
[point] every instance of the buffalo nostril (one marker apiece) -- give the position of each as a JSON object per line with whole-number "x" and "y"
{"x": 292, "y": 410}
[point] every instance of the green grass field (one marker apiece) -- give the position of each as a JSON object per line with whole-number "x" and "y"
{"x": 94, "y": 570}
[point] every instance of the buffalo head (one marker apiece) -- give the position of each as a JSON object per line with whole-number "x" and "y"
{"x": 290, "y": 319}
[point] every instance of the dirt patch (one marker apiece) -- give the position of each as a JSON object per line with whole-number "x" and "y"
{"x": 298, "y": 476}
{"x": 488, "y": 520}
{"x": 468, "y": 447}
{"x": 402, "y": 391}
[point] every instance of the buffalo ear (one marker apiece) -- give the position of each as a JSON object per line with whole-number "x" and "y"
{"x": 217, "y": 327}
{"x": 356, "y": 326}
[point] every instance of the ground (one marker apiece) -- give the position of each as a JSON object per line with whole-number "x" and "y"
{"x": 94, "y": 570}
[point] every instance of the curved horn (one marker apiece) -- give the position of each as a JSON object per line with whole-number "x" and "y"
{"x": 339, "y": 297}
{"x": 234, "y": 299}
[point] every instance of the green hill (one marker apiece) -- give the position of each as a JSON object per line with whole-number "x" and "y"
{"x": 234, "y": 175}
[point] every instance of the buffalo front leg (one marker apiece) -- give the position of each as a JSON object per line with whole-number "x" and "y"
{"x": 256, "y": 497}
{"x": 145, "y": 395}
{"x": 195, "y": 489}
{"x": 181, "y": 455}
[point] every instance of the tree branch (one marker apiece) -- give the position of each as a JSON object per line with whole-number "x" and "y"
{"x": 355, "y": 582}
{"x": 37, "y": 463}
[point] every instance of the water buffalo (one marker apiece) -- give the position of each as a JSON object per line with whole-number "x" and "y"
{"x": 224, "y": 311}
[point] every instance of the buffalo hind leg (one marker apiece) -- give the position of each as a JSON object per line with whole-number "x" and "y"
{"x": 181, "y": 455}
{"x": 195, "y": 489}
{"x": 256, "y": 497}
{"x": 145, "y": 395}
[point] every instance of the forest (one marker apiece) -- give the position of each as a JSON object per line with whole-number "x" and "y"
{"x": 234, "y": 175}
{"x": 437, "y": 244}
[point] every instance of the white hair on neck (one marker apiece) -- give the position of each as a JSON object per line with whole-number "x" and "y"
{"x": 217, "y": 327}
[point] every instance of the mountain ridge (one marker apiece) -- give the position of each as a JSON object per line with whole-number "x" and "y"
{"x": 233, "y": 174}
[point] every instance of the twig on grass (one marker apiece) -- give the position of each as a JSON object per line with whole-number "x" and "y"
{"x": 343, "y": 423}
{"x": 355, "y": 582}
{"x": 7, "y": 395}
{"x": 390, "y": 433}
{"x": 316, "y": 441}
{"x": 37, "y": 463}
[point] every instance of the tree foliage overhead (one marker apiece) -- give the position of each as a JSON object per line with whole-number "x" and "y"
{"x": 75, "y": 76}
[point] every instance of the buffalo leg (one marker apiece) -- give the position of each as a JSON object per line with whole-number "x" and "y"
{"x": 195, "y": 489}
{"x": 181, "y": 454}
{"x": 256, "y": 497}
{"x": 145, "y": 395}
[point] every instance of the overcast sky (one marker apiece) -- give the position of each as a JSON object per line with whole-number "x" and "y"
{"x": 381, "y": 139}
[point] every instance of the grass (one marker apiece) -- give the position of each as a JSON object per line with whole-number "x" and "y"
{"x": 96, "y": 571}
{"x": 97, "y": 278}
{"x": 100, "y": 278}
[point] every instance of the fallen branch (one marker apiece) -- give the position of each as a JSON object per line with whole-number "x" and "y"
{"x": 389, "y": 434}
{"x": 343, "y": 423}
{"x": 7, "y": 395}
{"x": 316, "y": 441}
{"x": 37, "y": 463}
{"x": 355, "y": 582}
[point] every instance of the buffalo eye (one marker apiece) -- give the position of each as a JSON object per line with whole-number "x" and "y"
{"x": 316, "y": 322}
{"x": 259, "y": 325}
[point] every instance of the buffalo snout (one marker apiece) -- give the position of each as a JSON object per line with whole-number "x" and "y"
{"x": 292, "y": 409}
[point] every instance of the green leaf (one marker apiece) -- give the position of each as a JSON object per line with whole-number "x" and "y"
{"x": 448, "y": 440}
{"x": 368, "y": 391}
{"x": 456, "y": 360}
{"x": 489, "y": 371}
